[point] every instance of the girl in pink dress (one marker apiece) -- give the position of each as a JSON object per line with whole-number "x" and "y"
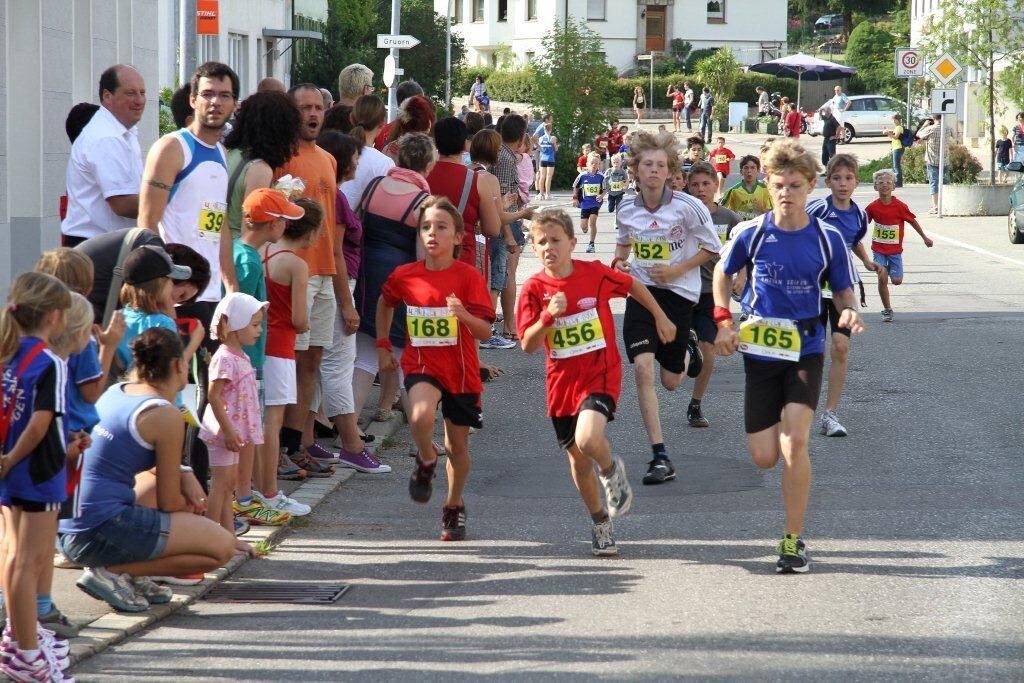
{"x": 232, "y": 420}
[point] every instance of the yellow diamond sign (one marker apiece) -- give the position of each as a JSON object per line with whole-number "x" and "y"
{"x": 945, "y": 69}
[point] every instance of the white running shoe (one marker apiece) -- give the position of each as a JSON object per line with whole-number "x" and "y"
{"x": 602, "y": 543}
{"x": 283, "y": 503}
{"x": 617, "y": 492}
{"x": 830, "y": 425}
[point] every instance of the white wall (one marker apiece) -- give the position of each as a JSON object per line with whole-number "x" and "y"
{"x": 53, "y": 53}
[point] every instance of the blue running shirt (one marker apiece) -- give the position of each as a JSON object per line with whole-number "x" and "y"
{"x": 787, "y": 270}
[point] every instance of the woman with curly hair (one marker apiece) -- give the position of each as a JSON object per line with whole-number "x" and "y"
{"x": 265, "y": 132}
{"x": 415, "y": 115}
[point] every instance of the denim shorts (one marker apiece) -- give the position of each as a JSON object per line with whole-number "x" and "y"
{"x": 893, "y": 263}
{"x": 135, "y": 534}
{"x": 518, "y": 234}
{"x": 499, "y": 262}
{"x": 933, "y": 178}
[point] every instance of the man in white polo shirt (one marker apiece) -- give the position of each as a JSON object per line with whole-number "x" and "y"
{"x": 105, "y": 169}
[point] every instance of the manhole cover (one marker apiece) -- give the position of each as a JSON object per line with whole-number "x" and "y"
{"x": 277, "y": 591}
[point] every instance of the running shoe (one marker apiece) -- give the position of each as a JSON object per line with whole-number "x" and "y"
{"x": 453, "y": 523}
{"x": 618, "y": 494}
{"x": 282, "y": 504}
{"x": 591, "y": 248}
{"x": 414, "y": 452}
{"x": 696, "y": 357}
{"x": 659, "y": 471}
{"x": 114, "y": 589}
{"x": 421, "y": 482}
{"x": 303, "y": 460}
{"x": 322, "y": 455}
{"x": 51, "y": 641}
{"x": 362, "y": 461}
{"x": 259, "y": 513}
{"x": 695, "y": 416}
{"x": 498, "y": 342}
{"x": 242, "y": 526}
{"x": 830, "y": 425}
{"x": 181, "y": 579}
{"x": 153, "y": 592}
{"x": 55, "y": 621}
{"x": 287, "y": 470}
{"x": 60, "y": 561}
{"x": 18, "y": 667}
{"x": 886, "y": 315}
{"x": 792, "y": 556}
{"x": 602, "y": 543}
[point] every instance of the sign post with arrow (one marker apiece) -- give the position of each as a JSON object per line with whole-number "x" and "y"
{"x": 943, "y": 102}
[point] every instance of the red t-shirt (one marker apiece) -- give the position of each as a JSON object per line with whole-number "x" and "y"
{"x": 793, "y": 123}
{"x": 677, "y": 100}
{"x": 887, "y": 225}
{"x": 448, "y": 180}
{"x": 437, "y": 344}
{"x": 381, "y": 141}
{"x": 614, "y": 141}
{"x": 581, "y": 364}
{"x": 601, "y": 143}
{"x": 582, "y": 161}
{"x": 720, "y": 158}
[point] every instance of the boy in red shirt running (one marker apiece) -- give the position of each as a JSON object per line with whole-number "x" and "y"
{"x": 565, "y": 309}
{"x": 721, "y": 158}
{"x": 448, "y": 309}
{"x": 888, "y": 215}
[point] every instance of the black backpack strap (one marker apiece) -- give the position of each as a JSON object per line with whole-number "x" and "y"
{"x": 365, "y": 198}
{"x": 413, "y": 205}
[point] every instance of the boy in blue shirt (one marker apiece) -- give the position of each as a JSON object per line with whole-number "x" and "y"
{"x": 588, "y": 195}
{"x": 840, "y": 211}
{"x": 785, "y": 252}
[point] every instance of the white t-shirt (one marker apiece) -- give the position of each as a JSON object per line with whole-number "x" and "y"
{"x": 106, "y": 161}
{"x": 680, "y": 226}
{"x": 372, "y": 164}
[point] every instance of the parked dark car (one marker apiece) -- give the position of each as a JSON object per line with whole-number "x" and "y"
{"x": 1016, "y": 217}
{"x": 828, "y": 23}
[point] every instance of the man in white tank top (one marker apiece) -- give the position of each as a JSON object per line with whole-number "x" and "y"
{"x": 185, "y": 183}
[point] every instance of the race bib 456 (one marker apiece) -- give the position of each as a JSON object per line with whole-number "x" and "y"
{"x": 574, "y": 335}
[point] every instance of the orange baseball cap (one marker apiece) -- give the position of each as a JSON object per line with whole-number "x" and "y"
{"x": 266, "y": 204}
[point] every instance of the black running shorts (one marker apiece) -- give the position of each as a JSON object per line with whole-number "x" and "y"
{"x": 770, "y": 385}
{"x": 462, "y": 410}
{"x": 703, "y": 324}
{"x": 830, "y": 317}
{"x": 565, "y": 426}
{"x": 640, "y": 334}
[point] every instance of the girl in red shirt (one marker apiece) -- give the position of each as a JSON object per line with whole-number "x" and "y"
{"x": 448, "y": 308}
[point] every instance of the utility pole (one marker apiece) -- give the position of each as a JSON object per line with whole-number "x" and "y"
{"x": 448, "y": 59}
{"x": 396, "y": 14}
{"x": 187, "y": 41}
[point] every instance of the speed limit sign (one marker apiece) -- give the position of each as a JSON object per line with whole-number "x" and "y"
{"x": 909, "y": 62}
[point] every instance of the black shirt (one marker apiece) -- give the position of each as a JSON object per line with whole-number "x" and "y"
{"x": 829, "y": 128}
{"x": 1003, "y": 151}
{"x": 104, "y": 250}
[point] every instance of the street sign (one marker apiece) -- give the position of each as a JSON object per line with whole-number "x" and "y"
{"x": 945, "y": 69}
{"x": 943, "y": 101}
{"x": 386, "y": 40}
{"x": 909, "y": 63}
{"x": 644, "y": 58}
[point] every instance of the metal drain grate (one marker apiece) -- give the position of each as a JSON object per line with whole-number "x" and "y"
{"x": 277, "y": 591}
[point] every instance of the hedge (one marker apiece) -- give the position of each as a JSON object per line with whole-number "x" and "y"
{"x": 961, "y": 166}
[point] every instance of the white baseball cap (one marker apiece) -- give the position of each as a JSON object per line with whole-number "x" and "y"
{"x": 238, "y": 308}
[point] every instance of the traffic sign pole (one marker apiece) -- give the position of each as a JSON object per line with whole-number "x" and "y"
{"x": 396, "y": 14}
{"x": 942, "y": 162}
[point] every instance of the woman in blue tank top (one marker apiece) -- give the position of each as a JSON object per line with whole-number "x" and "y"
{"x": 138, "y": 510}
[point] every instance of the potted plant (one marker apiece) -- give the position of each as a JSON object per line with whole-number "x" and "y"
{"x": 750, "y": 124}
{"x": 768, "y": 125}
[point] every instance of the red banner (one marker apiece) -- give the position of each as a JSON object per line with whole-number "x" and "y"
{"x": 207, "y": 18}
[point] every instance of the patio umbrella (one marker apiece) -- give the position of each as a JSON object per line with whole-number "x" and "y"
{"x": 803, "y": 68}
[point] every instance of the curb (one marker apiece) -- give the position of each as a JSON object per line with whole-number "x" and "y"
{"x": 115, "y": 627}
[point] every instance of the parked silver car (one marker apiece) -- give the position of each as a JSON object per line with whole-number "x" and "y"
{"x": 867, "y": 116}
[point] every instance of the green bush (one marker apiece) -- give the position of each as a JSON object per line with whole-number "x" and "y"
{"x": 462, "y": 79}
{"x": 961, "y": 166}
{"x": 512, "y": 86}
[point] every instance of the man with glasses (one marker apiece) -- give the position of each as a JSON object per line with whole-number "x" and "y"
{"x": 354, "y": 81}
{"x": 184, "y": 198}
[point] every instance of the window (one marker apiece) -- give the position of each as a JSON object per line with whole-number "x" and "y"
{"x": 457, "y": 11}
{"x": 478, "y": 10}
{"x": 531, "y": 10}
{"x": 502, "y": 10}
{"x": 595, "y": 10}
{"x": 268, "y": 56}
{"x": 238, "y": 57}
{"x": 716, "y": 12}
{"x": 530, "y": 57}
{"x": 859, "y": 105}
{"x": 207, "y": 49}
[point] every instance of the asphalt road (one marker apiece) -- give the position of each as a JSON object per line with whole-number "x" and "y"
{"x": 914, "y": 529}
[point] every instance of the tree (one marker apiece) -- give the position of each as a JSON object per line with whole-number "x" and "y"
{"x": 425, "y": 62}
{"x": 347, "y": 40}
{"x": 574, "y": 85}
{"x": 719, "y": 73}
{"x": 979, "y": 33}
{"x": 870, "y": 50}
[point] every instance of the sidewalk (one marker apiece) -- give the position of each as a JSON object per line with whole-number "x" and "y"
{"x": 102, "y": 627}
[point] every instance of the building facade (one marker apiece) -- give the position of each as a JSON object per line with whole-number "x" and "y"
{"x": 754, "y": 29}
